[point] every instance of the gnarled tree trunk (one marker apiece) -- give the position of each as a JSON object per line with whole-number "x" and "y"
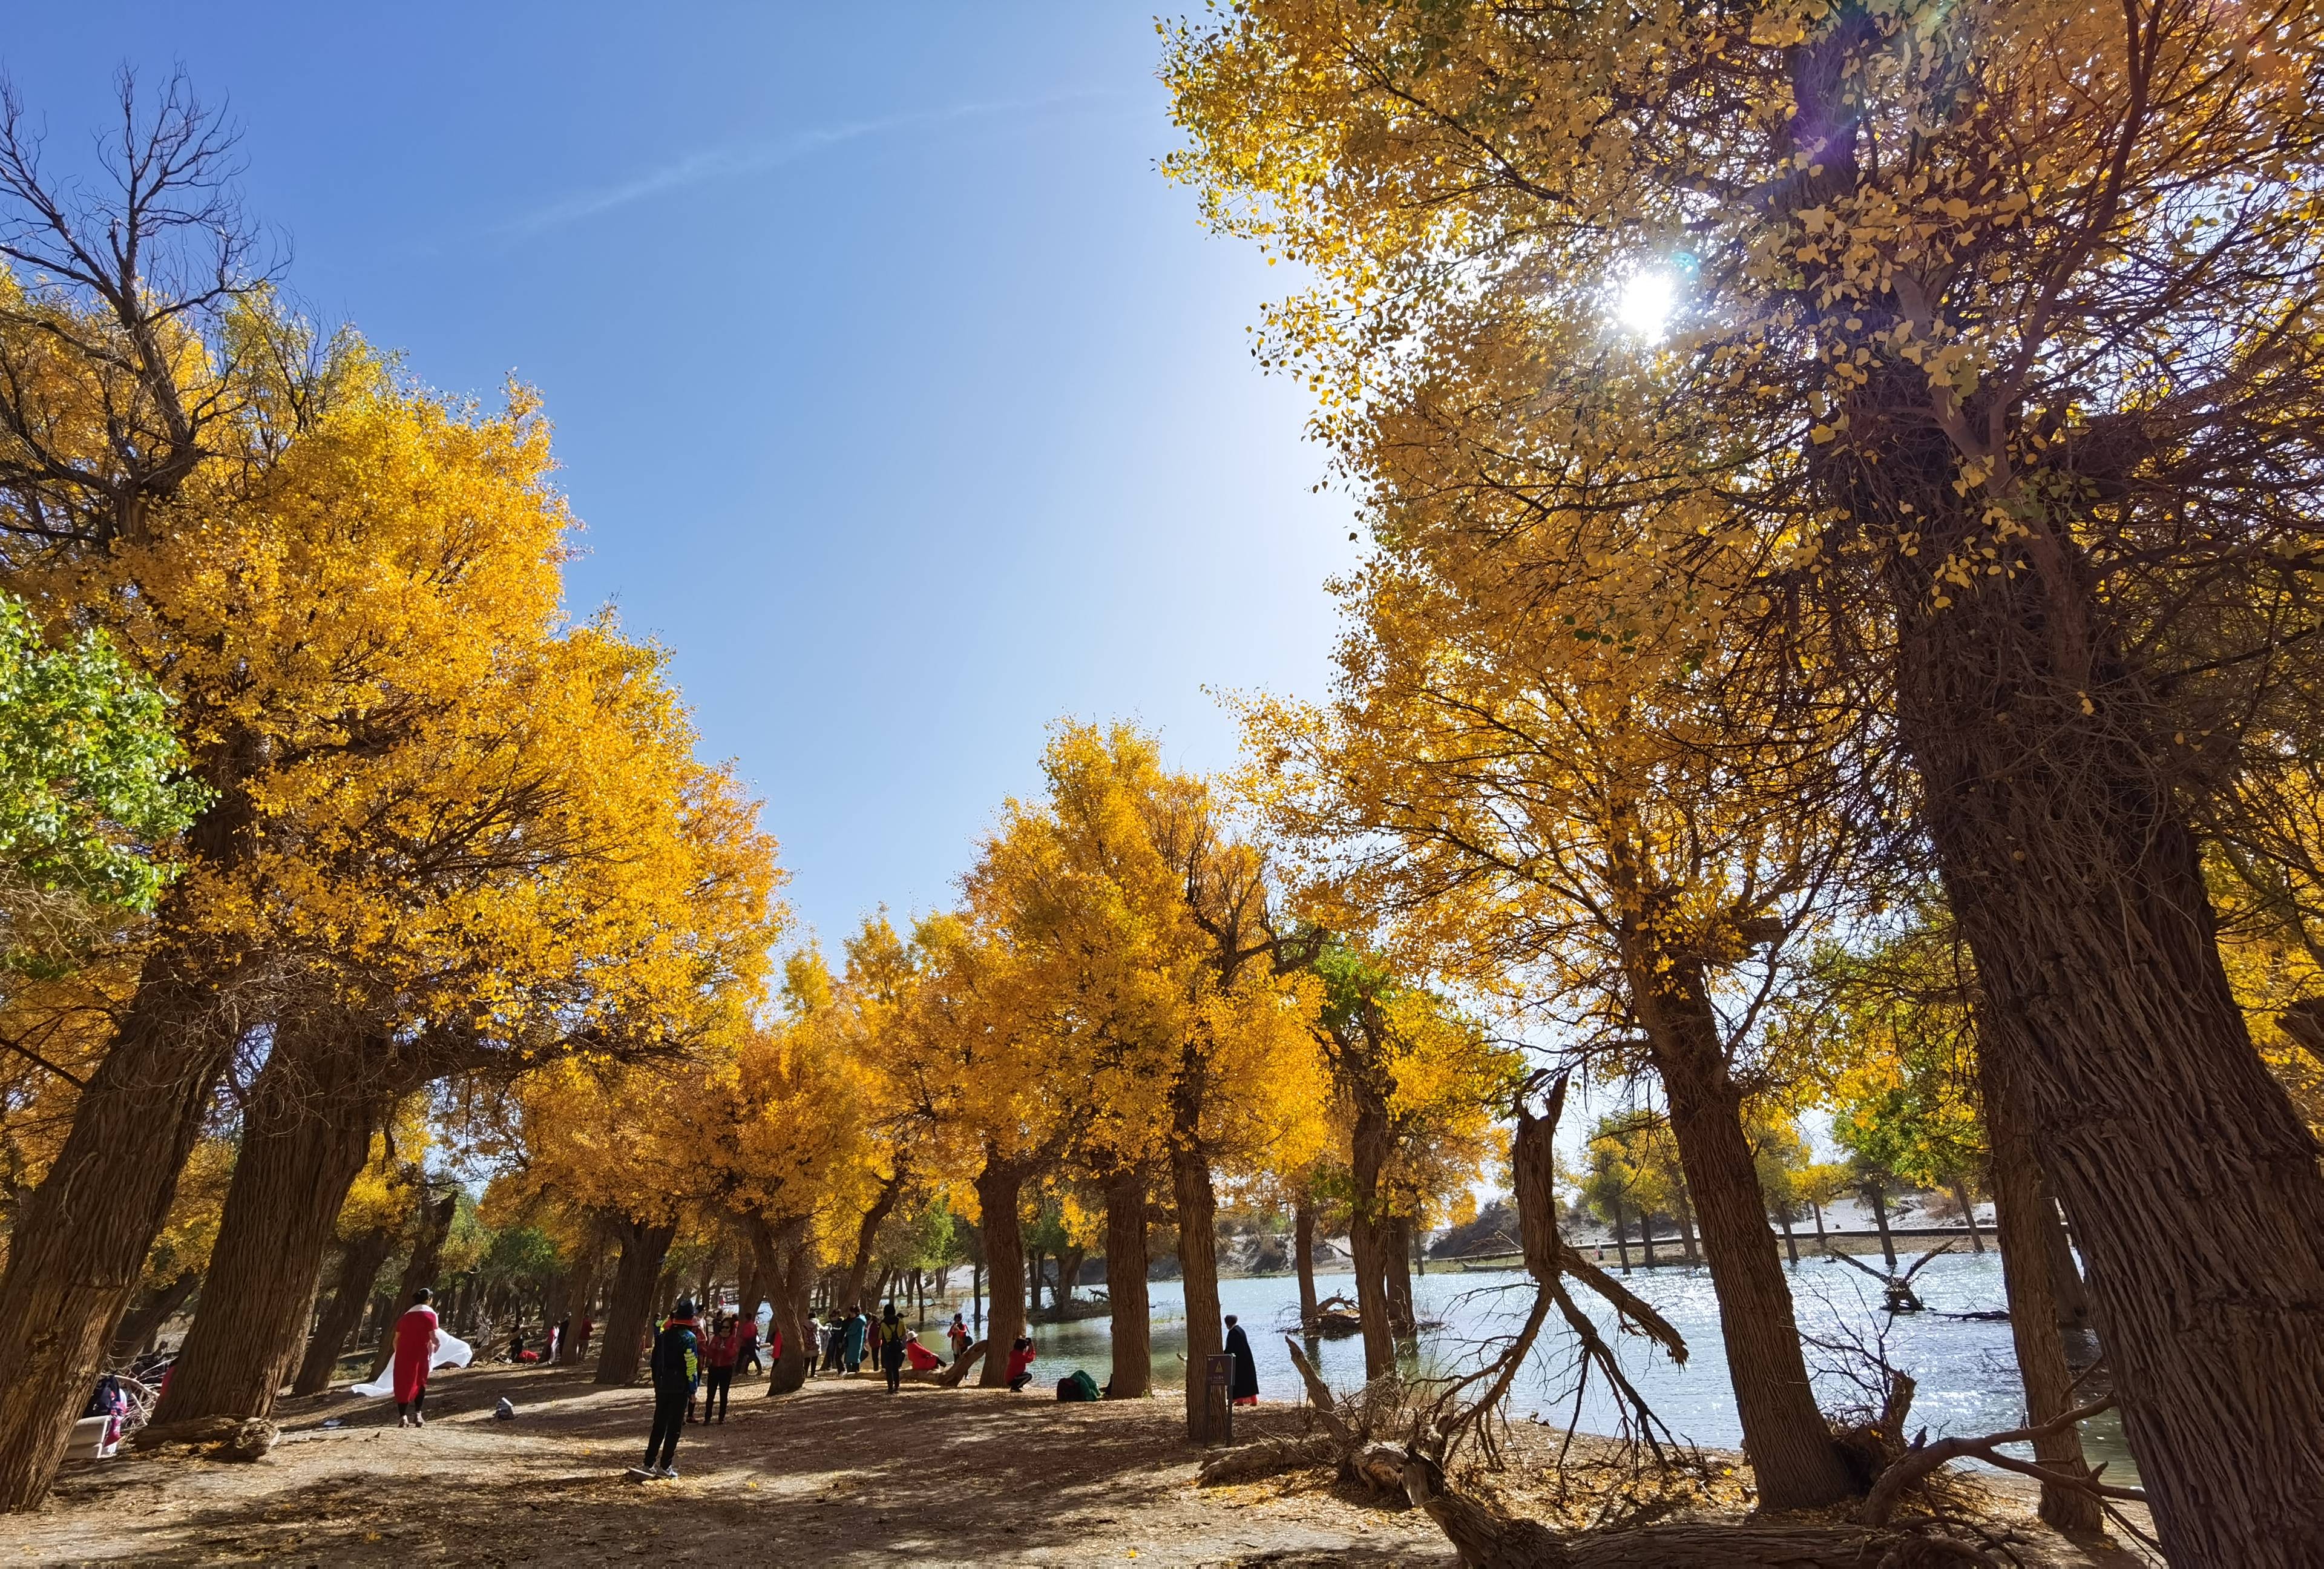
{"x": 1785, "y": 1435}
{"x": 79, "y": 1241}
{"x": 1367, "y": 1237}
{"x": 2194, "y": 1187}
{"x": 631, "y": 1307}
{"x": 1125, "y": 1285}
{"x": 1396, "y": 1263}
{"x": 998, "y": 1186}
{"x": 305, "y": 1132}
{"x": 1198, "y": 1258}
{"x": 359, "y": 1266}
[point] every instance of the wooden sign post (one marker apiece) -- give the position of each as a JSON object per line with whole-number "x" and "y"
{"x": 1218, "y": 1400}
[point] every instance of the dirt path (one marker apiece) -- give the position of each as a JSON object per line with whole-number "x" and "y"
{"x": 837, "y": 1474}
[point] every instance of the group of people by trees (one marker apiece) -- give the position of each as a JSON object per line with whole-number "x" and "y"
{"x": 1883, "y": 685}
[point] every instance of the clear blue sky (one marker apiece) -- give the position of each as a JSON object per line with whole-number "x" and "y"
{"x": 902, "y": 397}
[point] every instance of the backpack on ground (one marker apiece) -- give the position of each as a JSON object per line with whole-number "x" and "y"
{"x": 1077, "y": 1385}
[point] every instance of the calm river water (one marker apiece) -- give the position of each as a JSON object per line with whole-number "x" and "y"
{"x": 1966, "y": 1370}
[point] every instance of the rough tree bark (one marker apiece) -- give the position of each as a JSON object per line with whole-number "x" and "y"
{"x": 79, "y": 1241}
{"x": 1366, "y": 1236}
{"x": 359, "y": 1266}
{"x": 1785, "y": 1435}
{"x": 631, "y": 1309}
{"x": 1621, "y": 1237}
{"x": 1125, "y": 1285}
{"x": 418, "y": 1270}
{"x": 1396, "y": 1263}
{"x": 1198, "y": 1258}
{"x": 1303, "y": 1247}
{"x": 998, "y": 1186}
{"x": 146, "y": 1319}
{"x": 2195, "y": 1186}
{"x": 2017, "y": 1202}
{"x": 305, "y": 1132}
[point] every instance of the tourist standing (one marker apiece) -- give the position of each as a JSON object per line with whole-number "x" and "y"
{"x": 958, "y": 1333}
{"x": 858, "y": 1326}
{"x": 415, "y": 1341}
{"x": 718, "y": 1375}
{"x": 891, "y": 1348}
{"x": 1245, "y": 1390}
{"x": 675, "y": 1363}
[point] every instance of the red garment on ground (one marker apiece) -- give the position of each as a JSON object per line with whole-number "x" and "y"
{"x": 921, "y": 1357}
{"x": 414, "y": 1334}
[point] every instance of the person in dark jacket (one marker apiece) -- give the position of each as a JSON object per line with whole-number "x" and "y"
{"x": 891, "y": 1348}
{"x": 676, "y": 1364}
{"x": 1245, "y": 1391}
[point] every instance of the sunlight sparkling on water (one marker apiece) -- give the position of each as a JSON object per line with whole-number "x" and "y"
{"x": 1966, "y": 1370}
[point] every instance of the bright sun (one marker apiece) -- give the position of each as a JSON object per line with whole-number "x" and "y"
{"x": 1644, "y": 303}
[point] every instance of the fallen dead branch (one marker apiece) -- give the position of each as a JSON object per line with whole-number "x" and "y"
{"x": 1923, "y": 1459}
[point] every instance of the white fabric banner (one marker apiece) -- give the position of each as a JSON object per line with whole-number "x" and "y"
{"x": 451, "y": 1352}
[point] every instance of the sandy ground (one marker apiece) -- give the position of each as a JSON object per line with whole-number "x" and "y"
{"x": 839, "y": 1473}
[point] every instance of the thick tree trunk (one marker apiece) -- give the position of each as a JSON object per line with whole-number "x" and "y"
{"x": 305, "y": 1132}
{"x": 1302, "y": 1248}
{"x": 1647, "y": 1235}
{"x": 630, "y": 1310}
{"x": 1791, "y": 1242}
{"x": 1069, "y": 1270}
{"x": 997, "y": 1187}
{"x": 1367, "y": 1238}
{"x": 359, "y": 1266}
{"x": 1621, "y": 1237}
{"x": 2194, "y": 1185}
{"x": 1125, "y": 1286}
{"x": 2017, "y": 1204}
{"x": 783, "y": 1259}
{"x": 1789, "y": 1443}
{"x": 80, "y": 1239}
{"x": 1396, "y": 1261}
{"x": 418, "y": 1270}
{"x": 1198, "y": 1260}
{"x": 145, "y": 1320}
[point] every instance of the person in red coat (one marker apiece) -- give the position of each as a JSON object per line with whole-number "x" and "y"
{"x": 416, "y": 1341}
{"x": 918, "y": 1355}
{"x": 1021, "y": 1362}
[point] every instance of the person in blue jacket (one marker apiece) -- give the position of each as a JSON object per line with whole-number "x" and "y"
{"x": 676, "y": 1364}
{"x": 858, "y": 1331}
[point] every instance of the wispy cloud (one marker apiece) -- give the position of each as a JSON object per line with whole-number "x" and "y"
{"x": 732, "y": 163}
